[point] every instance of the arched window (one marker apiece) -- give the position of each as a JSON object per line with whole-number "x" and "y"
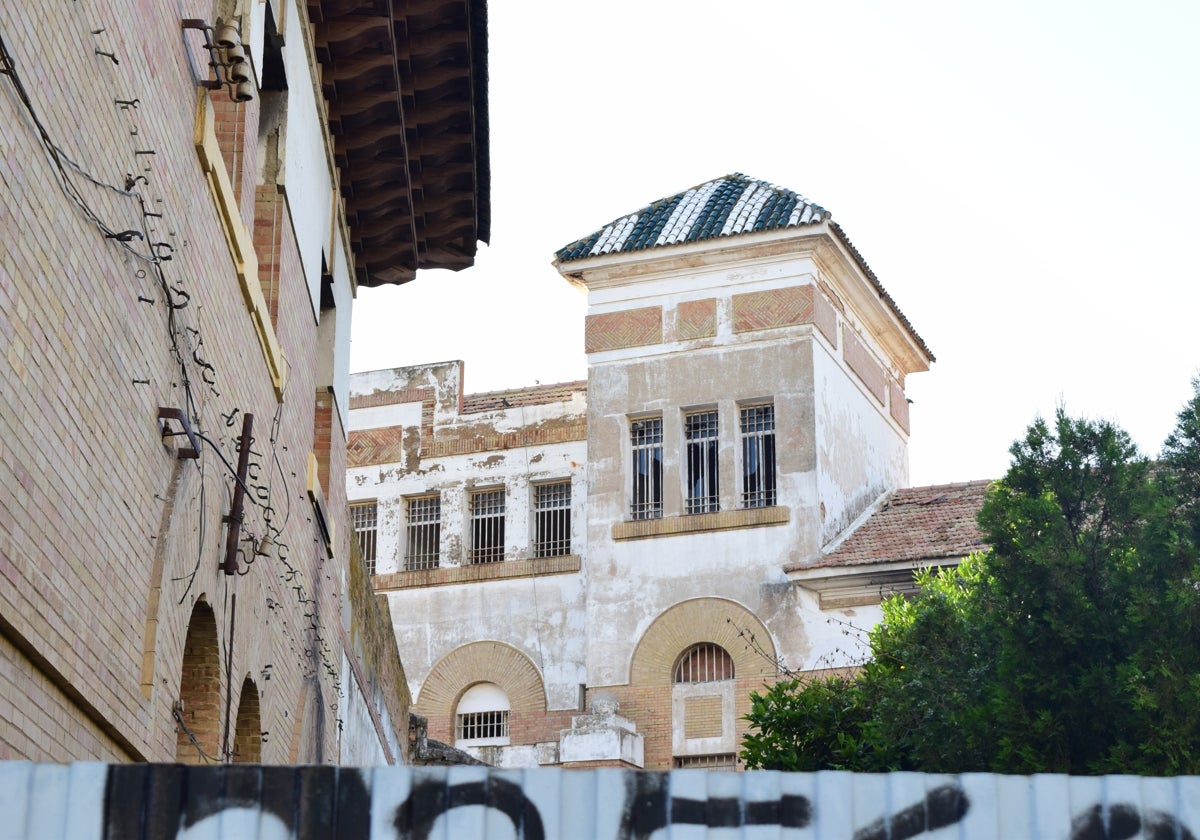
{"x": 482, "y": 717}
{"x": 197, "y": 714}
{"x": 703, "y": 662}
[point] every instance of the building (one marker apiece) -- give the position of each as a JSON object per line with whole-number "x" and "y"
{"x": 192, "y": 194}
{"x": 600, "y": 572}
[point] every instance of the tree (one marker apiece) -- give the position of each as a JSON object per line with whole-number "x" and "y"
{"x": 1071, "y": 645}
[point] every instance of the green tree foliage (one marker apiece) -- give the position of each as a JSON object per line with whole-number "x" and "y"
{"x": 1072, "y": 645}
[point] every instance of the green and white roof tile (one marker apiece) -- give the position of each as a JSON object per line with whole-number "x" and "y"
{"x": 728, "y": 206}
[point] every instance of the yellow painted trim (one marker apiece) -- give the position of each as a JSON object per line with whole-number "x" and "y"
{"x": 239, "y": 240}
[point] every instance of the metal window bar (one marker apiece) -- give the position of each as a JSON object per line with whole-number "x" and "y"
{"x": 487, "y": 526}
{"x": 364, "y": 519}
{"x": 758, "y": 455}
{"x": 552, "y": 513}
{"x": 704, "y": 662}
{"x": 646, "y": 437}
{"x": 724, "y": 761}
{"x": 476, "y": 726}
{"x": 700, "y": 432}
{"x": 424, "y": 534}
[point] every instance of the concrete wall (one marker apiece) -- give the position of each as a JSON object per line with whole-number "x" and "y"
{"x": 98, "y": 802}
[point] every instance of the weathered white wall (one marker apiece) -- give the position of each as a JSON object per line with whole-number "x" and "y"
{"x": 103, "y": 802}
{"x": 358, "y": 741}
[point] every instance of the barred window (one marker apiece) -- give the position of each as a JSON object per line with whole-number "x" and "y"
{"x": 723, "y": 761}
{"x": 700, "y": 433}
{"x": 646, "y": 437}
{"x": 481, "y": 718}
{"x": 758, "y": 455}
{"x": 552, "y": 514}
{"x": 424, "y": 533}
{"x": 487, "y": 526}
{"x": 364, "y": 519}
{"x": 703, "y": 662}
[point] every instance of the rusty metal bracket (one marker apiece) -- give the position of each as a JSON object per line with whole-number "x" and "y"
{"x": 166, "y": 414}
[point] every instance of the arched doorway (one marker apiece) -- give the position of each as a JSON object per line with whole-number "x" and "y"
{"x": 247, "y": 732}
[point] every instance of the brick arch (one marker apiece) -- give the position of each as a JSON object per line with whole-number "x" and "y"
{"x": 478, "y": 662}
{"x": 247, "y": 732}
{"x": 715, "y": 620}
{"x": 200, "y": 690}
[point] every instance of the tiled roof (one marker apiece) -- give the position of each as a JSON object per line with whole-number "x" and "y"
{"x": 915, "y": 524}
{"x": 516, "y": 397}
{"x": 728, "y": 206}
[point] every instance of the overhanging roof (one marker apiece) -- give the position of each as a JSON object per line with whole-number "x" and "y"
{"x": 407, "y": 91}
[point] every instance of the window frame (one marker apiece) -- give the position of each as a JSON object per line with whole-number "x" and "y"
{"x": 367, "y": 535}
{"x": 702, "y": 460}
{"x": 756, "y": 439}
{"x": 481, "y": 716}
{"x": 422, "y": 537}
{"x": 552, "y": 518}
{"x": 486, "y": 527}
{"x": 646, "y": 467}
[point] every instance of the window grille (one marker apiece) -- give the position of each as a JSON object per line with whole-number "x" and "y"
{"x": 477, "y": 726}
{"x": 364, "y": 519}
{"x": 758, "y": 455}
{"x": 646, "y": 437}
{"x": 487, "y": 526}
{"x": 724, "y": 761}
{"x": 424, "y": 533}
{"x": 700, "y": 432}
{"x": 703, "y": 662}
{"x": 552, "y": 512}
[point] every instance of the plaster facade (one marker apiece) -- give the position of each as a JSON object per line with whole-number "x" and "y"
{"x": 744, "y": 405}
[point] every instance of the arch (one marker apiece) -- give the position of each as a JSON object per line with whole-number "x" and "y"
{"x": 482, "y": 662}
{"x": 718, "y": 621}
{"x": 247, "y": 732}
{"x": 481, "y": 717}
{"x": 199, "y": 710}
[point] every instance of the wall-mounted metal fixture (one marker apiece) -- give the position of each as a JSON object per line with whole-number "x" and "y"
{"x": 165, "y": 414}
{"x": 227, "y": 58}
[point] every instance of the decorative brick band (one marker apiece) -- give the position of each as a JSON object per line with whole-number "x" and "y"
{"x": 898, "y": 403}
{"x": 628, "y": 328}
{"x": 408, "y": 395}
{"x": 723, "y": 520}
{"x": 773, "y": 308}
{"x": 467, "y": 444}
{"x": 696, "y": 319}
{"x": 825, "y": 318}
{"x": 447, "y": 575}
{"x": 860, "y": 360}
{"x": 384, "y": 445}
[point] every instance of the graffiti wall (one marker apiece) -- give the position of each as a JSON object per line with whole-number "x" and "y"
{"x": 162, "y": 802}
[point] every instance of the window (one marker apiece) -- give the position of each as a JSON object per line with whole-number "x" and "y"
{"x": 364, "y": 518}
{"x": 552, "y": 515}
{"x": 482, "y": 717}
{"x": 487, "y": 526}
{"x": 704, "y": 662}
{"x": 424, "y": 533}
{"x": 724, "y": 761}
{"x": 646, "y": 437}
{"x": 700, "y": 433}
{"x": 758, "y": 455}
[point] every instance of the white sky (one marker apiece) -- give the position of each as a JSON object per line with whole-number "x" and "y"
{"x": 1022, "y": 177}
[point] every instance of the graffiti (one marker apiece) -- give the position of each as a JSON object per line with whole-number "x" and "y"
{"x": 175, "y": 802}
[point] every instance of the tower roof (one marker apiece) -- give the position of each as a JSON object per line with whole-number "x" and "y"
{"x": 728, "y": 206}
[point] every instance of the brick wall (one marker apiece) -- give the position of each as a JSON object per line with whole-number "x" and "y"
{"x": 107, "y": 541}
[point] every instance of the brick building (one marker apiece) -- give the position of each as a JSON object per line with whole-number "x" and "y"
{"x": 191, "y": 194}
{"x": 600, "y": 572}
